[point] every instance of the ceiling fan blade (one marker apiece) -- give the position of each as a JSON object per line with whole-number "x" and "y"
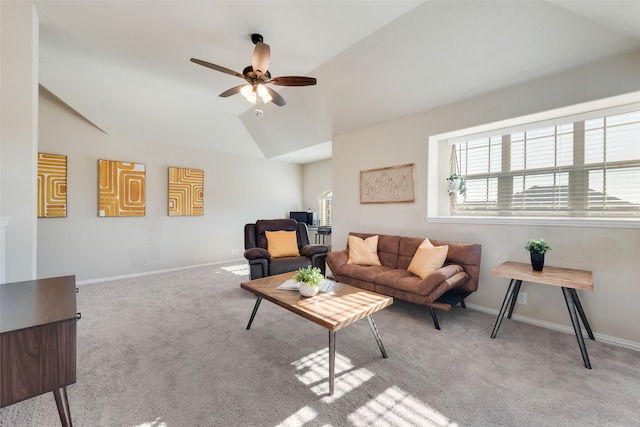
{"x": 216, "y": 67}
{"x": 261, "y": 58}
{"x": 293, "y": 81}
{"x": 231, "y": 91}
{"x": 277, "y": 99}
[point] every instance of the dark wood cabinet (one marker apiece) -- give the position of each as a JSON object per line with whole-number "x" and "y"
{"x": 38, "y": 341}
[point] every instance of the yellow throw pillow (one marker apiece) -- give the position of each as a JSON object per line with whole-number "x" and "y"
{"x": 282, "y": 243}
{"x": 426, "y": 244}
{"x": 363, "y": 252}
{"x": 427, "y": 260}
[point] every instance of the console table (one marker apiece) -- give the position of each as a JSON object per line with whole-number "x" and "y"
{"x": 569, "y": 280}
{"x": 38, "y": 341}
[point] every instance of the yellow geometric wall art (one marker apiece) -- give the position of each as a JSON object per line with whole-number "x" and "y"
{"x": 186, "y": 192}
{"x": 121, "y": 188}
{"x": 52, "y": 185}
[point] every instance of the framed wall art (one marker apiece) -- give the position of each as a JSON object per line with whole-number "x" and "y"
{"x": 52, "y": 185}
{"x": 393, "y": 184}
{"x": 186, "y": 192}
{"x": 121, "y": 188}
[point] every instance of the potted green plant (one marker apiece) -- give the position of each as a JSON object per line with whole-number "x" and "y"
{"x": 456, "y": 184}
{"x": 310, "y": 279}
{"x": 537, "y": 248}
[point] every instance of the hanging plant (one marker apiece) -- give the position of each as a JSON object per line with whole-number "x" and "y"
{"x": 456, "y": 184}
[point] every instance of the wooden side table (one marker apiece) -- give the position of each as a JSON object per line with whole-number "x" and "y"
{"x": 569, "y": 280}
{"x": 38, "y": 341}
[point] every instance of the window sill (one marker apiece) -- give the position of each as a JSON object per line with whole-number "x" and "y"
{"x": 560, "y": 222}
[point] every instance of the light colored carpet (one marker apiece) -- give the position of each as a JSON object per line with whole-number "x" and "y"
{"x": 172, "y": 350}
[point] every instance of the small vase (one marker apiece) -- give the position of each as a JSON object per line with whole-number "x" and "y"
{"x": 308, "y": 291}
{"x": 537, "y": 261}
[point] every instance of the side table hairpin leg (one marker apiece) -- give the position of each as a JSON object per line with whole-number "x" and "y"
{"x": 509, "y": 297}
{"x": 571, "y": 298}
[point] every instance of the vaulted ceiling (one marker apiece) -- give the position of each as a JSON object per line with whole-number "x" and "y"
{"x": 125, "y": 65}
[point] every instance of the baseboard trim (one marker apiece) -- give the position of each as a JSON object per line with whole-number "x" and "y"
{"x": 558, "y": 327}
{"x": 542, "y": 323}
{"x": 149, "y": 273}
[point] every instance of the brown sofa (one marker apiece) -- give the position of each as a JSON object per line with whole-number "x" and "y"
{"x": 442, "y": 289}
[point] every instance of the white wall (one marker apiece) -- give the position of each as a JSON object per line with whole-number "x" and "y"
{"x": 238, "y": 189}
{"x": 316, "y": 180}
{"x": 18, "y": 138}
{"x": 611, "y": 253}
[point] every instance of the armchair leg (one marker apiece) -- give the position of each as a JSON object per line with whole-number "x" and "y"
{"x": 320, "y": 262}
{"x": 435, "y": 318}
{"x": 462, "y": 304}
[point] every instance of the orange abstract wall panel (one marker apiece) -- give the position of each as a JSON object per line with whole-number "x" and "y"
{"x": 121, "y": 189}
{"x": 52, "y": 185}
{"x": 186, "y": 192}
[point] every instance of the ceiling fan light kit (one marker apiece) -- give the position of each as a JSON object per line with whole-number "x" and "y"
{"x": 257, "y": 76}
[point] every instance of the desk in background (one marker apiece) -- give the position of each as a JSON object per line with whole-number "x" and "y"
{"x": 320, "y": 235}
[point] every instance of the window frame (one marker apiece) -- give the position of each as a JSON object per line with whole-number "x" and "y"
{"x": 438, "y": 202}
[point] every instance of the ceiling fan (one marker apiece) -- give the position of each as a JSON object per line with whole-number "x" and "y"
{"x": 257, "y": 76}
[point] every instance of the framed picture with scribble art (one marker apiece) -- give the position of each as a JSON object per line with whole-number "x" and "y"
{"x": 52, "y": 185}
{"x": 186, "y": 192}
{"x": 393, "y": 184}
{"x": 121, "y": 188}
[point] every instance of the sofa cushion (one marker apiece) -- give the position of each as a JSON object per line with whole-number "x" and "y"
{"x": 392, "y": 277}
{"x": 363, "y": 251}
{"x": 406, "y": 281}
{"x": 362, "y": 272}
{"x": 282, "y": 243}
{"x": 287, "y": 264}
{"x": 427, "y": 260}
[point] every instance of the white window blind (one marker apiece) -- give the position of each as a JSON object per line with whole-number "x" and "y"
{"x": 581, "y": 167}
{"x": 325, "y": 208}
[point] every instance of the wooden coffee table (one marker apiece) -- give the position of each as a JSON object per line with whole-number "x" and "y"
{"x": 332, "y": 310}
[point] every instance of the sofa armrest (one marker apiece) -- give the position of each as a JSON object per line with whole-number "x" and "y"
{"x": 441, "y": 278}
{"x": 337, "y": 259}
{"x": 310, "y": 250}
{"x": 256, "y": 253}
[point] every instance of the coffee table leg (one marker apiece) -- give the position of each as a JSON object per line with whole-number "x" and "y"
{"x": 377, "y": 335}
{"x": 332, "y": 360}
{"x": 568, "y": 297}
{"x": 255, "y": 310}
{"x": 505, "y": 304}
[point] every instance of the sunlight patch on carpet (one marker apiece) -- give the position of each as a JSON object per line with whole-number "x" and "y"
{"x": 303, "y": 416}
{"x": 394, "y": 407}
{"x": 154, "y": 423}
{"x": 239, "y": 269}
{"x": 315, "y": 373}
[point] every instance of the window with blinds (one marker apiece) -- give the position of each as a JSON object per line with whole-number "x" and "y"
{"x": 588, "y": 167}
{"x": 324, "y": 208}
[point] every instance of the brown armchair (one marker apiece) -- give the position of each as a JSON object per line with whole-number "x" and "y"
{"x": 262, "y": 264}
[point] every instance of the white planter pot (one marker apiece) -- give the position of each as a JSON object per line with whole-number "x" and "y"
{"x": 454, "y": 185}
{"x": 308, "y": 291}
